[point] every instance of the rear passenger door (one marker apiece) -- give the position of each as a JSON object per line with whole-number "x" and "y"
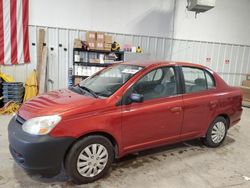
{"x": 199, "y": 101}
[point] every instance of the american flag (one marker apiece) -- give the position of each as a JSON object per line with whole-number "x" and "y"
{"x": 14, "y": 34}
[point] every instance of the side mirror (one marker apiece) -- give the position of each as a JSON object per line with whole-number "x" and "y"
{"x": 134, "y": 97}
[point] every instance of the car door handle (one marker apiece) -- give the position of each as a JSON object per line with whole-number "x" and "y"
{"x": 176, "y": 109}
{"x": 213, "y": 103}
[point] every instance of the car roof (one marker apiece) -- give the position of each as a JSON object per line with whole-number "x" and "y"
{"x": 156, "y": 63}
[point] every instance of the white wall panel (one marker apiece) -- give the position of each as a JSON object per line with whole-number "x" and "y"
{"x": 71, "y": 36}
{"x": 33, "y": 48}
{"x": 63, "y": 58}
{"x": 226, "y": 23}
{"x": 60, "y": 41}
{"x": 199, "y": 52}
{"x": 136, "y": 17}
{"x": 238, "y": 64}
{"x": 168, "y": 49}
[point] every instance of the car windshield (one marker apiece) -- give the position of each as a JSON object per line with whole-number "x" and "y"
{"x": 106, "y": 82}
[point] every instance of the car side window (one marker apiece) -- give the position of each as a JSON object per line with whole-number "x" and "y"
{"x": 152, "y": 76}
{"x": 195, "y": 79}
{"x": 158, "y": 83}
{"x": 210, "y": 80}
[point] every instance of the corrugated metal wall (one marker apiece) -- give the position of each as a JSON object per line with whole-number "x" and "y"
{"x": 231, "y": 61}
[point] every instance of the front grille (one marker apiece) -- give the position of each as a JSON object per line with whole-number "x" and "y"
{"x": 20, "y": 120}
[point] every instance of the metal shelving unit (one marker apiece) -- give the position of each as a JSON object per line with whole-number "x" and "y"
{"x": 83, "y": 65}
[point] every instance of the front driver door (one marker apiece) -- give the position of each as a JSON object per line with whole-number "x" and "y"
{"x": 156, "y": 120}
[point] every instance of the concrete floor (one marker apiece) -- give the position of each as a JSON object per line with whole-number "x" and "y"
{"x": 188, "y": 164}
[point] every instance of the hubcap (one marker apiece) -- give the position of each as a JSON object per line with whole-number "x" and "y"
{"x": 92, "y": 160}
{"x": 218, "y": 132}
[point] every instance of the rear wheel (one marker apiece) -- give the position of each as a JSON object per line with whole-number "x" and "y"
{"x": 89, "y": 159}
{"x": 216, "y": 133}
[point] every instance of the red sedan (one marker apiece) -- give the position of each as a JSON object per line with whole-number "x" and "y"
{"x": 122, "y": 109}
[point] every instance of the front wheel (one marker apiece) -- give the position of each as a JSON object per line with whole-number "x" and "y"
{"x": 216, "y": 133}
{"x": 89, "y": 159}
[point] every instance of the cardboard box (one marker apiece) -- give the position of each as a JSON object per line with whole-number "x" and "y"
{"x": 77, "y": 43}
{"x": 99, "y": 45}
{"x": 246, "y": 93}
{"x": 92, "y": 45}
{"x": 107, "y": 46}
{"x": 77, "y": 80}
{"x": 100, "y": 37}
{"x": 91, "y": 36}
{"x": 246, "y": 83}
{"x": 246, "y": 104}
{"x": 107, "y": 49}
{"x": 108, "y": 39}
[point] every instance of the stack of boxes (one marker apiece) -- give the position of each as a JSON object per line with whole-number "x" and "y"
{"x": 13, "y": 91}
{"x": 107, "y": 42}
{"x": 91, "y": 39}
{"x": 98, "y": 41}
{"x": 245, "y": 88}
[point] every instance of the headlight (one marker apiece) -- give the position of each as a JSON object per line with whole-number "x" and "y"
{"x": 41, "y": 125}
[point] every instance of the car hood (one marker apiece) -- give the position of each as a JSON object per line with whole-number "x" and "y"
{"x": 58, "y": 102}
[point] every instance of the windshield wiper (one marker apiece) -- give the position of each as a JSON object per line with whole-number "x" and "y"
{"x": 88, "y": 90}
{"x": 102, "y": 94}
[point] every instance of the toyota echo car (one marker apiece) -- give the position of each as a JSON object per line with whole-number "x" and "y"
{"x": 122, "y": 109}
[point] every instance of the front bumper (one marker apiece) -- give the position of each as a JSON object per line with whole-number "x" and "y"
{"x": 37, "y": 154}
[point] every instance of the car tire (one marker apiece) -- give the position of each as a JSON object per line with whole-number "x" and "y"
{"x": 216, "y": 133}
{"x": 89, "y": 159}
